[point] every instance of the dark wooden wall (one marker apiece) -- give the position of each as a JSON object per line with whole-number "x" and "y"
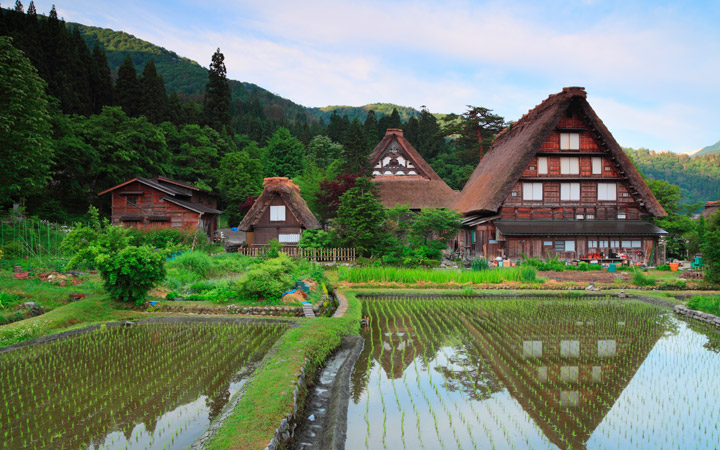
{"x": 266, "y": 230}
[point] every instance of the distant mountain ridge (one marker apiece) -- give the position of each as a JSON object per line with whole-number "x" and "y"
{"x": 187, "y": 77}
{"x": 709, "y": 150}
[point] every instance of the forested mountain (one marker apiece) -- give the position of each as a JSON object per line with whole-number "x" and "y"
{"x": 360, "y": 112}
{"x": 709, "y": 150}
{"x": 697, "y": 176}
{"x": 116, "y": 107}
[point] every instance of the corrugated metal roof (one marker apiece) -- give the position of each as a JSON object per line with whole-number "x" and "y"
{"x": 510, "y": 227}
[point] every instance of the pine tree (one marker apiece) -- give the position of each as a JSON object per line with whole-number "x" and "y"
{"x": 127, "y": 89}
{"x": 19, "y": 7}
{"x": 154, "y": 97}
{"x": 355, "y": 154}
{"x": 32, "y": 12}
{"x": 216, "y": 106}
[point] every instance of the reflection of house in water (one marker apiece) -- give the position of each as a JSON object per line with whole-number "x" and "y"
{"x": 567, "y": 372}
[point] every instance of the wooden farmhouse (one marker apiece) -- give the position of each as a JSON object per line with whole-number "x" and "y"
{"x": 405, "y": 178}
{"x": 279, "y": 213}
{"x": 711, "y": 208}
{"x": 163, "y": 203}
{"x": 556, "y": 183}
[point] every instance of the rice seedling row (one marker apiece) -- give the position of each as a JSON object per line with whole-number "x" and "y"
{"x": 147, "y": 386}
{"x": 531, "y": 373}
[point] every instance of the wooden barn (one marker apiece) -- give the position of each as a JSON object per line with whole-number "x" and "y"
{"x": 163, "y": 203}
{"x": 405, "y": 178}
{"x": 279, "y": 213}
{"x": 556, "y": 183}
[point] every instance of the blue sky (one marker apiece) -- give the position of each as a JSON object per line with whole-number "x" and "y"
{"x": 651, "y": 68}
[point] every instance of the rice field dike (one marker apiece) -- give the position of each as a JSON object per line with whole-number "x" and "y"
{"x": 532, "y": 373}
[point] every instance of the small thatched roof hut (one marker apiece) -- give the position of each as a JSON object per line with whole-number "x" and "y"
{"x": 279, "y": 213}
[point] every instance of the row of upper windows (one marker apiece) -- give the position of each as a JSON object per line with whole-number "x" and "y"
{"x": 533, "y": 191}
{"x": 570, "y": 165}
{"x": 569, "y": 246}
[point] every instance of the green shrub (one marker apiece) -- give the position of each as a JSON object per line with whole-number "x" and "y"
{"x": 269, "y": 280}
{"x": 172, "y": 295}
{"x": 128, "y": 274}
{"x": 196, "y": 261}
{"x": 663, "y": 267}
{"x": 707, "y": 304}
{"x": 479, "y": 264}
{"x": 316, "y": 239}
{"x": 13, "y": 250}
{"x": 202, "y": 286}
{"x": 273, "y": 250}
{"x": 640, "y": 279}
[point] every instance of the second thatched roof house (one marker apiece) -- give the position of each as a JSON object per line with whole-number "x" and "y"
{"x": 405, "y": 178}
{"x": 279, "y": 213}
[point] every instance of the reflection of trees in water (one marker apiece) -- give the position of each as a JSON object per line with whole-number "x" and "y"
{"x": 710, "y": 331}
{"x": 475, "y": 379}
{"x": 217, "y": 402}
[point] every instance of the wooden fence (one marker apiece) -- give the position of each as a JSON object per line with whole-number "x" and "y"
{"x": 313, "y": 254}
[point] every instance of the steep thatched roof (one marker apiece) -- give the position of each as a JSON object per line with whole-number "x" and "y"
{"x": 290, "y": 193}
{"x": 515, "y": 147}
{"x": 711, "y": 208}
{"x": 416, "y": 191}
{"x": 424, "y": 190}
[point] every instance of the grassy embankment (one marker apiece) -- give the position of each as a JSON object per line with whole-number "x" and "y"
{"x": 268, "y": 398}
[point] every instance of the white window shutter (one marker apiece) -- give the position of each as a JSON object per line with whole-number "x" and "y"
{"x": 542, "y": 165}
{"x": 537, "y": 191}
{"x": 596, "y": 165}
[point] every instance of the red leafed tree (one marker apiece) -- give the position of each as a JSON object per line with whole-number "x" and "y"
{"x": 330, "y": 193}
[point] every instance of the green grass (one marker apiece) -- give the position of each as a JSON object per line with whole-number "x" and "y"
{"x": 74, "y": 315}
{"x": 706, "y": 304}
{"x": 268, "y": 397}
{"x": 400, "y": 275}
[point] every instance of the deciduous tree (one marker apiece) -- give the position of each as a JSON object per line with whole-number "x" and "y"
{"x": 26, "y": 150}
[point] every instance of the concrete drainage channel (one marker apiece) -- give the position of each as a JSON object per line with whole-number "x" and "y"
{"x": 325, "y": 423}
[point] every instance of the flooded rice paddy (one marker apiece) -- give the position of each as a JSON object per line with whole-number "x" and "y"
{"x": 535, "y": 373}
{"x": 148, "y": 386}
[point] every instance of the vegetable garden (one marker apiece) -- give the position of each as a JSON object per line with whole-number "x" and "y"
{"x": 532, "y": 373}
{"x": 148, "y": 386}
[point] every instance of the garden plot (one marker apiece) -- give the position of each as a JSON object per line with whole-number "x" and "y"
{"x": 469, "y": 373}
{"x": 148, "y": 386}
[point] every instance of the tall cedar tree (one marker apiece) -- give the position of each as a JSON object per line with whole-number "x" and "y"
{"x": 360, "y": 221}
{"x": 154, "y": 98}
{"x": 216, "y": 105}
{"x": 391, "y": 121}
{"x": 128, "y": 94}
{"x": 104, "y": 87}
{"x": 371, "y": 129}
{"x": 25, "y": 146}
{"x": 285, "y": 155}
{"x": 355, "y": 154}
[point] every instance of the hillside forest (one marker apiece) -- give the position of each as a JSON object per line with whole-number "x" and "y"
{"x": 89, "y": 108}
